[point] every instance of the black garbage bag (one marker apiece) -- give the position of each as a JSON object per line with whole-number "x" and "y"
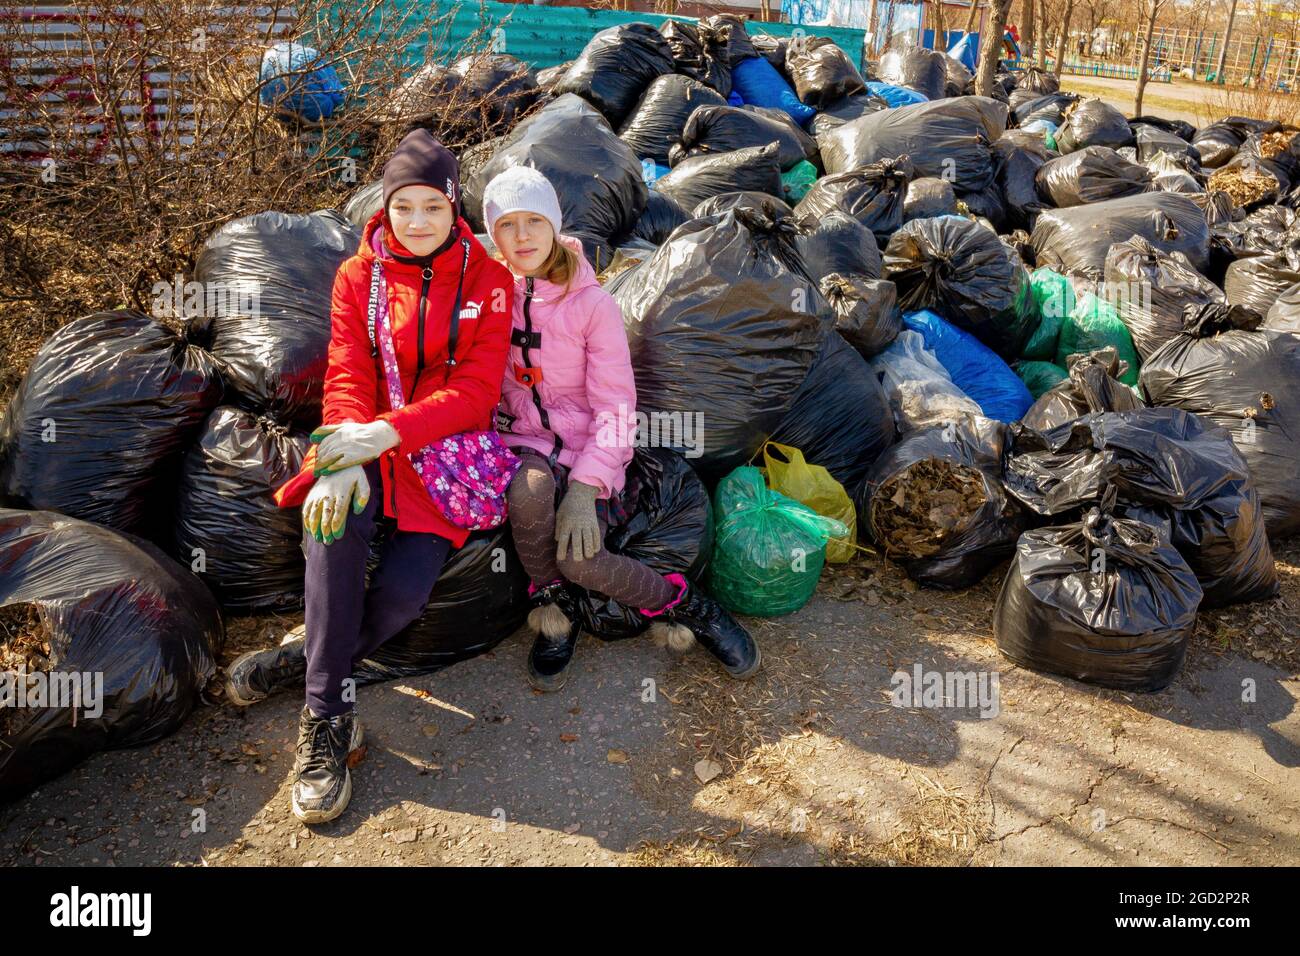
{"x": 1051, "y": 107}
{"x": 726, "y": 33}
{"x": 229, "y": 530}
{"x": 501, "y": 87}
{"x": 1246, "y": 379}
{"x": 1093, "y": 385}
{"x": 916, "y": 68}
{"x": 101, "y": 419}
{"x": 841, "y": 111}
{"x": 479, "y": 599}
{"x": 548, "y": 77}
{"x": 873, "y": 194}
{"x": 1250, "y": 181}
{"x": 1153, "y": 141}
{"x": 661, "y": 216}
{"x": 1262, "y": 231}
{"x": 935, "y": 503}
{"x": 427, "y": 94}
{"x": 1088, "y": 175}
{"x": 1219, "y": 142}
{"x": 655, "y": 125}
{"x": 1180, "y": 128}
{"x": 1093, "y": 122}
{"x": 82, "y": 606}
{"x": 722, "y": 129}
{"x": 1017, "y": 157}
{"x": 696, "y": 178}
{"x": 928, "y": 197}
{"x": 616, "y": 66}
{"x": 1037, "y": 80}
{"x": 670, "y": 529}
{"x": 1279, "y": 148}
{"x": 773, "y": 50}
{"x": 959, "y": 79}
{"x": 836, "y": 242}
{"x": 985, "y": 204}
{"x": 723, "y": 321}
{"x": 1105, "y": 600}
{"x": 866, "y": 311}
{"x": 1077, "y": 239}
{"x": 1150, "y": 290}
{"x": 364, "y": 203}
{"x": 840, "y": 418}
{"x": 273, "y": 344}
{"x": 746, "y": 198}
{"x": 1256, "y": 282}
{"x": 949, "y": 139}
{"x": 595, "y": 174}
{"x": 1161, "y": 460}
{"x": 965, "y": 273}
{"x": 821, "y": 72}
{"x": 1284, "y": 314}
{"x": 698, "y": 57}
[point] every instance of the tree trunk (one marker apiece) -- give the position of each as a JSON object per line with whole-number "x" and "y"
{"x": 1065, "y": 37}
{"x": 1146, "y": 56}
{"x": 972, "y": 16}
{"x": 940, "y": 28}
{"x": 1027, "y": 29}
{"x": 1227, "y": 38}
{"x": 1044, "y": 33}
{"x": 991, "y": 51}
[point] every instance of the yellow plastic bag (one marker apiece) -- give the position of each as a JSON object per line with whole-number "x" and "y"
{"x": 812, "y": 485}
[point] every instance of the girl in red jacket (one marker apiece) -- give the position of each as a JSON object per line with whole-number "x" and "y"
{"x": 449, "y": 308}
{"x": 568, "y": 389}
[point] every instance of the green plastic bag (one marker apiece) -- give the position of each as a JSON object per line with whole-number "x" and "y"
{"x": 1040, "y": 376}
{"x": 1049, "y": 140}
{"x": 769, "y": 550}
{"x": 1094, "y": 324}
{"x": 1053, "y": 300}
{"x": 797, "y": 180}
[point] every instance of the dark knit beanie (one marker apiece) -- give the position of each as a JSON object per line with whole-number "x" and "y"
{"x": 420, "y": 160}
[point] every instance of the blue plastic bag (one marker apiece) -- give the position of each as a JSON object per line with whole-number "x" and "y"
{"x": 759, "y": 84}
{"x": 896, "y": 95}
{"x": 733, "y": 99}
{"x": 313, "y": 95}
{"x": 974, "y": 368}
{"x": 966, "y": 51}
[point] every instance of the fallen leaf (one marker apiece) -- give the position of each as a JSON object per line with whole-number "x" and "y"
{"x": 617, "y": 756}
{"x": 568, "y": 738}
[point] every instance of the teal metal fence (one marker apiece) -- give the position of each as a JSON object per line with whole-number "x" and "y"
{"x": 546, "y": 36}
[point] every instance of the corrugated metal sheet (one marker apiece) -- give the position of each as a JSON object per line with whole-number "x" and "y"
{"x": 547, "y": 36}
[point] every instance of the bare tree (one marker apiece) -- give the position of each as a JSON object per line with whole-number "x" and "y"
{"x": 1027, "y": 28}
{"x": 1064, "y": 36}
{"x": 1227, "y": 38}
{"x": 992, "y": 52}
{"x": 940, "y": 28}
{"x": 1152, "y": 12}
{"x": 1044, "y": 33}
{"x": 972, "y": 16}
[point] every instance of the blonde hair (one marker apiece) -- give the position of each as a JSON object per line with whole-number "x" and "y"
{"x": 560, "y": 267}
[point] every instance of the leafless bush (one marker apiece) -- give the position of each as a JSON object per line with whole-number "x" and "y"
{"x": 120, "y": 154}
{"x": 1264, "y": 104}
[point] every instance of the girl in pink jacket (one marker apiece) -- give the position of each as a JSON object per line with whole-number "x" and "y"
{"x": 567, "y": 408}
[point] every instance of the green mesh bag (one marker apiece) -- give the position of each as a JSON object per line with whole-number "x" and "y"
{"x": 797, "y": 180}
{"x": 1040, "y": 376}
{"x": 1053, "y": 300}
{"x": 768, "y": 550}
{"x": 1094, "y": 324}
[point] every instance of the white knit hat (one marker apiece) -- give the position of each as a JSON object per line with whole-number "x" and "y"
{"x": 520, "y": 189}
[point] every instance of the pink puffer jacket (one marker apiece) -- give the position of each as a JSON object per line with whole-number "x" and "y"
{"x": 586, "y": 388}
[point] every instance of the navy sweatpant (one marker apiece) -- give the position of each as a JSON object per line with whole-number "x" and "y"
{"x": 346, "y": 620}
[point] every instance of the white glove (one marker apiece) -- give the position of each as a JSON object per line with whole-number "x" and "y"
{"x": 342, "y": 446}
{"x": 325, "y": 511}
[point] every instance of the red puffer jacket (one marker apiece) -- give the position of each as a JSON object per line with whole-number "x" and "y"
{"x": 447, "y": 399}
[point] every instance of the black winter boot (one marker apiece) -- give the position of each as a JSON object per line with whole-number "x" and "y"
{"x": 554, "y": 620}
{"x": 710, "y": 623}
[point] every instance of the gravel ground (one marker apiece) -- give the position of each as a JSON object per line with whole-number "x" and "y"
{"x": 648, "y": 759}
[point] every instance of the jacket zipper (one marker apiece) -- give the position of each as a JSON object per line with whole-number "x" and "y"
{"x": 425, "y": 278}
{"x": 537, "y": 396}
